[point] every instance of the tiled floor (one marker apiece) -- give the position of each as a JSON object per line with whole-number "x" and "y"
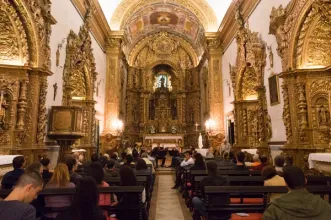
{"x": 166, "y": 202}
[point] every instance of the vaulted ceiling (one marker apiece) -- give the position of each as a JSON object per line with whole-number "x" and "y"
{"x": 209, "y": 13}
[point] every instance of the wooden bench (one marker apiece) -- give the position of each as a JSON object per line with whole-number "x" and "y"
{"x": 135, "y": 194}
{"x": 213, "y": 192}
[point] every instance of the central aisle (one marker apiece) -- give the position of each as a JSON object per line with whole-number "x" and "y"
{"x": 166, "y": 202}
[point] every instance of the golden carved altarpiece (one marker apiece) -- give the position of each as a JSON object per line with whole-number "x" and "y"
{"x": 25, "y": 28}
{"x": 252, "y": 122}
{"x": 79, "y": 78}
{"x": 303, "y": 33}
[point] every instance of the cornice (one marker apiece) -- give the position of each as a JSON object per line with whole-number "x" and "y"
{"x": 99, "y": 26}
{"x": 229, "y": 28}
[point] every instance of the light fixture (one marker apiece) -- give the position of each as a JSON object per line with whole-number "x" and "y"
{"x": 210, "y": 126}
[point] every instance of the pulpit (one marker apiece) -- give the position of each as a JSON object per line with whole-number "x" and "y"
{"x": 65, "y": 126}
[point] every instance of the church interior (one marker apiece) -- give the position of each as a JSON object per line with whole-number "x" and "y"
{"x": 98, "y": 80}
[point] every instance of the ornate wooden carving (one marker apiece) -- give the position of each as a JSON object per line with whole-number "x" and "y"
{"x": 79, "y": 78}
{"x": 25, "y": 28}
{"x": 303, "y": 31}
{"x": 252, "y": 122}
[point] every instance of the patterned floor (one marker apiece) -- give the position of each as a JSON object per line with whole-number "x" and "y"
{"x": 166, "y": 202}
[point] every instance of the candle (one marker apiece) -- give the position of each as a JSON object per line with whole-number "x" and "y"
{"x": 1, "y": 100}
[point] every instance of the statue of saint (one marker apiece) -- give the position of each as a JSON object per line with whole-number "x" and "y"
{"x": 323, "y": 116}
{"x": 3, "y": 108}
{"x": 162, "y": 80}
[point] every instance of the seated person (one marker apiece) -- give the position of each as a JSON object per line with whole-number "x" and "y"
{"x": 272, "y": 179}
{"x": 240, "y": 157}
{"x": 159, "y": 155}
{"x": 9, "y": 179}
{"x": 209, "y": 153}
{"x": 141, "y": 165}
{"x": 60, "y": 179}
{"x": 213, "y": 179}
{"x": 199, "y": 163}
{"x": 72, "y": 167}
{"x": 128, "y": 178}
{"x": 85, "y": 202}
{"x": 128, "y": 161}
{"x": 279, "y": 164}
{"x": 227, "y": 160}
{"x": 135, "y": 155}
{"x": 186, "y": 163}
{"x": 36, "y": 166}
{"x": 298, "y": 203}
{"x": 256, "y": 161}
{"x": 96, "y": 172}
{"x": 46, "y": 174}
{"x": 144, "y": 156}
{"x": 16, "y": 204}
{"x": 288, "y": 160}
{"x": 110, "y": 170}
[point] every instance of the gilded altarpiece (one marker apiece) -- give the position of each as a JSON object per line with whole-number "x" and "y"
{"x": 79, "y": 79}
{"x": 252, "y": 122}
{"x": 303, "y": 33}
{"x": 25, "y": 28}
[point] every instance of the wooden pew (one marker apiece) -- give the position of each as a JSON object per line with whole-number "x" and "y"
{"x": 136, "y": 205}
{"x": 213, "y": 208}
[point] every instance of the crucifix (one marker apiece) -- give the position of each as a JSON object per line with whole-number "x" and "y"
{"x": 196, "y": 126}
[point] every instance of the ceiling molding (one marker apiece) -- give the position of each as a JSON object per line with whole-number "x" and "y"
{"x": 229, "y": 28}
{"x": 99, "y": 25}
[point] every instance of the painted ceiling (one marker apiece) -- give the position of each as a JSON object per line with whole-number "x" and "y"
{"x": 209, "y": 13}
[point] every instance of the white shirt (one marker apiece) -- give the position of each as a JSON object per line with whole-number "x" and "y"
{"x": 226, "y": 147}
{"x": 188, "y": 162}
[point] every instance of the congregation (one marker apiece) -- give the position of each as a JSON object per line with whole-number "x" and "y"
{"x": 194, "y": 174}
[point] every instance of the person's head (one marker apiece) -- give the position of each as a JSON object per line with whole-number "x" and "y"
{"x": 128, "y": 159}
{"x": 288, "y": 160}
{"x": 141, "y": 165}
{"x": 212, "y": 168}
{"x": 231, "y": 155}
{"x": 264, "y": 159}
{"x": 226, "y": 155}
{"x": 225, "y": 142}
{"x": 294, "y": 177}
{"x": 240, "y": 157}
{"x": 18, "y": 162}
{"x": 95, "y": 170}
{"x": 103, "y": 161}
{"x": 268, "y": 172}
{"x": 256, "y": 158}
{"x": 94, "y": 157}
{"x": 188, "y": 155}
{"x": 248, "y": 157}
{"x": 127, "y": 176}
{"x": 81, "y": 158}
{"x": 279, "y": 161}
{"x": 123, "y": 155}
{"x": 27, "y": 187}
{"x": 45, "y": 162}
{"x": 75, "y": 155}
{"x": 60, "y": 175}
{"x": 198, "y": 160}
{"x": 144, "y": 155}
{"x": 114, "y": 156}
{"x": 72, "y": 164}
{"x": 107, "y": 156}
{"x": 37, "y": 167}
{"x": 110, "y": 164}
{"x": 86, "y": 198}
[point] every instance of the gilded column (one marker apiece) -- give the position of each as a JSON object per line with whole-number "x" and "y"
{"x": 112, "y": 99}
{"x": 22, "y": 104}
{"x": 215, "y": 82}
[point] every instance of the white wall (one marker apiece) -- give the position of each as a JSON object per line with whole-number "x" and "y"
{"x": 259, "y": 22}
{"x": 68, "y": 18}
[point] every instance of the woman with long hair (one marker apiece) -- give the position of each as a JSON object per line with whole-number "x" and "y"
{"x": 199, "y": 163}
{"x": 85, "y": 202}
{"x": 60, "y": 179}
{"x": 271, "y": 178}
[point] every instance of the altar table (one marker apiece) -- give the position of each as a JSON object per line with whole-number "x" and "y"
{"x": 320, "y": 161}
